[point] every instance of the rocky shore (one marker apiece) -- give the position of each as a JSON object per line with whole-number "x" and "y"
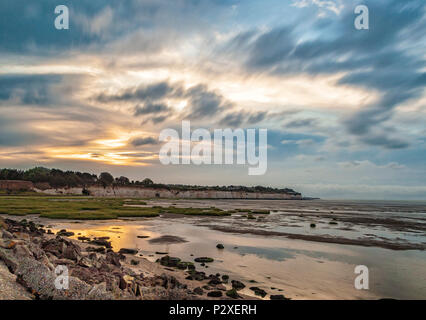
{"x": 30, "y": 255}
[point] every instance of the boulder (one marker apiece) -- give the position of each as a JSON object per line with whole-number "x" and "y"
{"x": 237, "y": 285}
{"x": 214, "y": 294}
{"x": 204, "y": 259}
{"x": 128, "y": 251}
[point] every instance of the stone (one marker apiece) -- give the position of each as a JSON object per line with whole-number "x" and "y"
{"x": 278, "y": 297}
{"x": 198, "y": 291}
{"x": 128, "y": 251}
{"x": 204, "y": 259}
{"x": 215, "y": 294}
{"x": 65, "y": 233}
{"x": 237, "y": 285}
{"x": 220, "y": 246}
{"x": 232, "y": 294}
{"x": 258, "y": 291}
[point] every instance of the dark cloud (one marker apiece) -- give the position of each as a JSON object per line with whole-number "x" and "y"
{"x": 142, "y": 141}
{"x": 257, "y": 117}
{"x": 204, "y": 102}
{"x": 27, "y": 89}
{"x": 234, "y": 119}
{"x": 384, "y": 140}
{"x": 300, "y": 123}
{"x": 373, "y": 59}
{"x": 152, "y": 92}
{"x": 150, "y": 108}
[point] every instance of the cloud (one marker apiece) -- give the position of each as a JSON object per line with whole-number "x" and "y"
{"x": 142, "y": 141}
{"x": 150, "y": 108}
{"x": 27, "y": 89}
{"x": 374, "y": 59}
{"x": 300, "y": 123}
{"x": 151, "y": 92}
{"x": 203, "y": 102}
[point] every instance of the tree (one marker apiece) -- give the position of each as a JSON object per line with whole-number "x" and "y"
{"x": 106, "y": 179}
{"x": 147, "y": 182}
{"x": 122, "y": 181}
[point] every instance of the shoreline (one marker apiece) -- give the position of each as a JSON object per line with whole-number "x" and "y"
{"x": 96, "y": 271}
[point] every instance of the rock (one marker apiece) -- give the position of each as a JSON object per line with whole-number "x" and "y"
{"x": 113, "y": 258}
{"x": 214, "y": 281}
{"x": 232, "y": 294}
{"x": 9, "y": 260}
{"x": 72, "y": 252}
{"x": 220, "y": 246}
{"x": 83, "y": 238}
{"x": 237, "y": 285}
{"x": 65, "y": 233}
{"x": 258, "y": 291}
{"x": 7, "y": 244}
{"x": 143, "y": 237}
{"x": 85, "y": 262}
{"x": 63, "y": 262}
{"x": 278, "y": 297}
{"x": 101, "y": 242}
{"x": 162, "y": 253}
{"x": 204, "y": 259}
{"x": 313, "y": 225}
{"x": 215, "y": 294}
{"x": 7, "y": 235}
{"x": 169, "y": 261}
{"x": 93, "y": 249}
{"x": 198, "y": 291}
{"x": 225, "y": 278}
{"x": 134, "y": 262}
{"x": 128, "y": 251}
{"x": 221, "y": 287}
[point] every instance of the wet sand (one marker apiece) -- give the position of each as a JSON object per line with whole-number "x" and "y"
{"x": 281, "y": 253}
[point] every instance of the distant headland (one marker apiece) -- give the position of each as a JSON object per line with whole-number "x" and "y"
{"x": 55, "y": 181}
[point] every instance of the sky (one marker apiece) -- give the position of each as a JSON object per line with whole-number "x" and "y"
{"x": 345, "y": 109}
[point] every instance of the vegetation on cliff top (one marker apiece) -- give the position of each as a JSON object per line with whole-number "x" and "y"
{"x": 56, "y": 178}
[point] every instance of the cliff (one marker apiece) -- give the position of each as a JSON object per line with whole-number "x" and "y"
{"x": 146, "y": 192}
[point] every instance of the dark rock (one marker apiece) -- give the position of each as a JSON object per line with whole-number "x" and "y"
{"x": 233, "y": 294}
{"x": 199, "y": 291}
{"x": 65, "y": 233}
{"x": 128, "y": 251}
{"x": 258, "y": 291}
{"x": 278, "y": 297}
{"x": 143, "y": 237}
{"x": 169, "y": 261}
{"x": 134, "y": 262}
{"x": 93, "y": 249}
{"x": 237, "y": 285}
{"x": 204, "y": 259}
{"x": 101, "y": 242}
{"x": 214, "y": 281}
{"x": 220, "y": 246}
{"x": 113, "y": 258}
{"x": 313, "y": 225}
{"x": 215, "y": 294}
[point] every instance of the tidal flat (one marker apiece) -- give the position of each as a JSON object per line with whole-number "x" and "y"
{"x": 299, "y": 249}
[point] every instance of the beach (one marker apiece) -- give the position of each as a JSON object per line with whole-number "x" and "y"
{"x": 301, "y": 249}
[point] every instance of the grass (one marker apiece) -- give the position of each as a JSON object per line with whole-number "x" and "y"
{"x": 88, "y": 208}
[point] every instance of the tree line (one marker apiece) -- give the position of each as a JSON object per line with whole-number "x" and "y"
{"x": 60, "y": 179}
